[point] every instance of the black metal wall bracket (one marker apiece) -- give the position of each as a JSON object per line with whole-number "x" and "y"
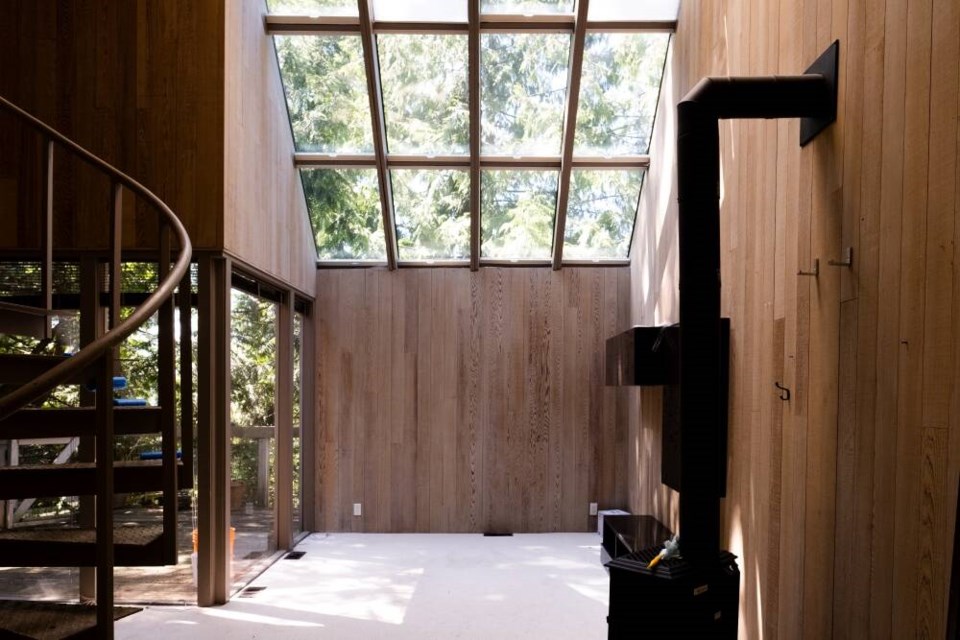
{"x": 827, "y": 65}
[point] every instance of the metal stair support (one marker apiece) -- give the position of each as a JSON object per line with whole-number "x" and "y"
{"x": 37, "y": 376}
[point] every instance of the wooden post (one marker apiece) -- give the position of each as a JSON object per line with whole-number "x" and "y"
{"x": 213, "y": 441}
{"x": 91, "y": 327}
{"x": 308, "y": 465}
{"x": 9, "y": 457}
{"x": 284, "y": 418}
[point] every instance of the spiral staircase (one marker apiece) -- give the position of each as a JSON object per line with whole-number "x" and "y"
{"x": 25, "y": 380}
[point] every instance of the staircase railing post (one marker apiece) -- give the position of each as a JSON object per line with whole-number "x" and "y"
{"x": 46, "y": 235}
{"x": 167, "y": 397}
{"x": 186, "y": 377}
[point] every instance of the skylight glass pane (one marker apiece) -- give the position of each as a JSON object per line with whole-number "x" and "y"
{"x": 618, "y": 92}
{"x": 517, "y": 214}
{"x": 420, "y": 10}
{"x": 425, "y": 94}
{"x": 432, "y": 211}
{"x": 523, "y": 80}
{"x": 612, "y": 10}
{"x": 325, "y": 81}
{"x": 600, "y": 213}
{"x": 529, "y": 7}
{"x": 344, "y": 208}
{"x": 313, "y": 7}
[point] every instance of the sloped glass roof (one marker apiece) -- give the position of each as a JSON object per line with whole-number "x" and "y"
{"x": 445, "y": 131}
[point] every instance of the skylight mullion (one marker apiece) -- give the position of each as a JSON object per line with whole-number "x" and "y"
{"x": 312, "y": 25}
{"x": 334, "y": 160}
{"x": 374, "y": 89}
{"x": 429, "y": 161}
{"x": 419, "y": 28}
{"x": 569, "y": 126}
{"x": 633, "y": 26}
{"x": 473, "y": 14}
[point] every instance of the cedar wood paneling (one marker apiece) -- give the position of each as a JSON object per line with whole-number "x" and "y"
{"x": 841, "y": 501}
{"x": 451, "y": 400}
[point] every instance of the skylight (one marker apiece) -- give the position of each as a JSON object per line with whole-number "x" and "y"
{"x": 385, "y": 98}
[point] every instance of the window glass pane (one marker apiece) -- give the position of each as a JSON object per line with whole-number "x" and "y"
{"x": 313, "y": 7}
{"x": 523, "y": 92}
{"x": 531, "y": 7}
{"x": 425, "y": 94}
{"x": 618, "y": 92}
{"x": 517, "y": 213}
{"x": 344, "y": 208}
{"x": 417, "y": 10}
{"x": 620, "y": 10}
{"x": 601, "y": 213}
{"x": 433, "y": 214}
{"x": 325, "y": 81}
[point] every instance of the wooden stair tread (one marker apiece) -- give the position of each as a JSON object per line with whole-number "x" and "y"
{"x": 23, "y": 320}
{"x": 79, "y": 478}
{"x": 78, "y": 421}
{"x": 133, "y": 546}
{"x": 139, "y": 535}
{"x": 22, "y": 368}
{"x": 52, "y": 621}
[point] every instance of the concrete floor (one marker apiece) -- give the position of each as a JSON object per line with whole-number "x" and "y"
{"x": 406, "y": 586}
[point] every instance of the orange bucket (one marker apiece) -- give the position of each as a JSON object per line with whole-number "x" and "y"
{"x": 196, "y": 536}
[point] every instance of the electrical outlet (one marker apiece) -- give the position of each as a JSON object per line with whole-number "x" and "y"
{"x": 357, "y": 509}
{"x": 593, "y": 508}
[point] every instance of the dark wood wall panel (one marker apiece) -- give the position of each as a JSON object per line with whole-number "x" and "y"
{"x": 458, "y": 401}
{"x": 140, "y": 84}
{"x": 841, "y": 501}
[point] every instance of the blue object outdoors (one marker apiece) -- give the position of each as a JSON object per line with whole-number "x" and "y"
{"x": 119, "y": 384}
{"x": 155, "y": 455}
{"x": 129, "y": 402}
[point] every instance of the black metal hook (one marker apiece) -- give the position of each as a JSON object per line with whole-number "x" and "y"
{"x": 784, "y": 391}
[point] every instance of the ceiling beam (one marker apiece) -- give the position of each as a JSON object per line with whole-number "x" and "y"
{"x": 375, "y": 93}
{"x": 569, "y": 127}
{"x": 406, "y": 161}
{"x": 492, "y": 23}
{"x": 473, "y": 44}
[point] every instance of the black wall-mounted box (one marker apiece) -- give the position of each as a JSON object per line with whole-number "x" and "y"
{"x": 643, "y": 356}
{"x": 650, "y": 356}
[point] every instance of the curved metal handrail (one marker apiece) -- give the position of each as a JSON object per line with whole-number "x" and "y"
{"x": 89, "y": 354}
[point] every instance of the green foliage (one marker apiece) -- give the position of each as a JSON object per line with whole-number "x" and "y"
{"x": 526, "y": 6}
{"x": 325, "y": 84}
{"x": 432, "y": 214}
{"x": 344, "y": 207}
{"x": 600, "y": 214}
{"x": 518, "y": 211}
{"x": 313, "y": 7}
{"x": 426, "y": 100}
{"x": 253, "y": 352}
{"x": 523, "y": 78}
{"x": 618, "y": 93}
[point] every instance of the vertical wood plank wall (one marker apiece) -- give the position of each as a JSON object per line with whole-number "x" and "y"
{"x": 265, "y": 217}
{"x": 841, "y": 501}
{"x": 139, "y": 83}
{"x": 450, "y": 400}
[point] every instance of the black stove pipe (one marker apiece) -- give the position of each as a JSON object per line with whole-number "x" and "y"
{"x": 698, "y": 167}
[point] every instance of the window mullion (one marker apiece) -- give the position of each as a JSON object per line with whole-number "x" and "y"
{"x": 569, "y": 126}
{"x": 473, "y": 12}
{"x": 375, "y": 92}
